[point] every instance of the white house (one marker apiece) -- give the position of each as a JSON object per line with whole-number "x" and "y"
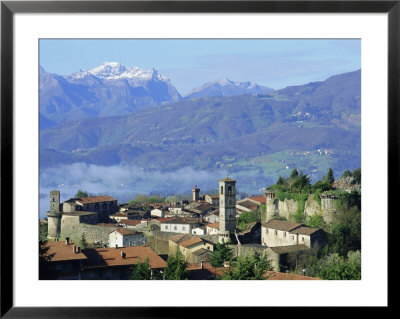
{"x": 179, "y": 225}
{"x": 123, "y": 237}
{"x": 213, "y": 229}
{"x": 158, "y": 213}
{"x": 201, "y": 230}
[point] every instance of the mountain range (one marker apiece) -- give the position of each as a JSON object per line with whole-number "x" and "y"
{"x": 260, "y": 135}
{"x": 114, "y": 89}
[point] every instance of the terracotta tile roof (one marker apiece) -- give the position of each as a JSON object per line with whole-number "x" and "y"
{"x": 227, "y": 179}
{"x": 281, "y": 225}
{"x": 260, "y": 199}
{"x": 179, "y": 220}
{"x": 130, "y": 222}
{"x": 179, "y": 238}
{"x": 191, "y": 242}
{"x": 214, "y": 225}
{"x": 63, "y": 252}
{"x": 109, "y": 257}
{"x": 274, "y": 275}
{"x": 304, "y": 230}
{"x": 206, "y": 271}
{"x": 288, "y": 249}
{"x": 95, "y": 199}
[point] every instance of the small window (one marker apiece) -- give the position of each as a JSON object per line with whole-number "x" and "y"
{"x": 222, "y": 189}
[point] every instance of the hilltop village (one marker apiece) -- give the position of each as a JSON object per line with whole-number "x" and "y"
{"x": 94, "y": 237}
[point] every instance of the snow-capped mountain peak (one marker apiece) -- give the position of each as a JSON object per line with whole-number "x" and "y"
{"x": 115, "y": 70}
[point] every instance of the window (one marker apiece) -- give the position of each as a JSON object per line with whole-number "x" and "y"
{"x": 222, "y": 189}
{"x": 175, "y": 228}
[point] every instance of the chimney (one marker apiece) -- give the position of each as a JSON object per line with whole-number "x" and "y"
{"x": 79, "y": 249}
{"x": 116, "y": 246}
{"x": 74, "y": 249}
{"x": 67, "y": 240}
{"x": 202, "y": 264}
{"x": 226, "y": 264}
{"x": 123, "y": 255}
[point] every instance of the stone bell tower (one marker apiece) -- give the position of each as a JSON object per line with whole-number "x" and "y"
{"x": 227, "y": 208}
{"x": 271, "y": 209}
{"x": 54, "y": 216}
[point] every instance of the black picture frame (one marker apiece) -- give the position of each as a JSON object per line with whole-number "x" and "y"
{"x": 9, "y": 8}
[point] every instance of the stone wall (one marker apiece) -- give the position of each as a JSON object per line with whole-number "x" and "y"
{"x": 93, "y": 233}
{"x": 158, "y": 241}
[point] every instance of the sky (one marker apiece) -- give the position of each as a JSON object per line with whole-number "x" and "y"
{"x": 189, "y": 63}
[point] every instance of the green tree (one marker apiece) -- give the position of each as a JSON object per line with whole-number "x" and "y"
{"x": 336, "y": 267}
{"x": 294, "y": 173}
{"x": 44, "y": 259}
{"x": 80, "y": 194}
{"x": 141, "y": 271}
{"x": 357, "y": 175}
{"x": 43, "y": 232}
{"x": 221, "y": 254}
{"x": 176, "y": 267}
{"x": 83, "y": 243}
{"x": 302, "y": 184}
{"x": 329, "y": 177}
{"x": 252, "y": 267}
{"x": 346, "y": 173}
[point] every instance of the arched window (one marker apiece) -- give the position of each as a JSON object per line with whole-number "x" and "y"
{"x": 229, "y": 190}
{"x": 222, "y": 189}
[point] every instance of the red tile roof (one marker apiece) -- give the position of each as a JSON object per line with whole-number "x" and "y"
{"x": 96, "y": 199}
{"x": 124, "y": 231}
{"x": 130, "y": 222}
{"x": 110, "y": 257}
{"x": 260, "y": 199}
{"x": 63, "y": 252}
{"x": 191, "y": 242}
{"x": 214, "y": 225}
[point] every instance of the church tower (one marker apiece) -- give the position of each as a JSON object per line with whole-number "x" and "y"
{"x": 54, "y": 216}
{"x": 270, "y": 206}
{"x": 227, "y": 208}
{"x": 195, "y": 193}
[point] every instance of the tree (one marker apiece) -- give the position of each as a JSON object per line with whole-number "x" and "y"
{"x": 281, "y": 181}
{"x": 329, "y": 177}
{"x": 44, "y": 259}
{"x": 176, "y": 267}
{"x": 253, "y": 267}
{"x": 336, "y": 267}
{"x": 294, "y": 173}
{"x": 357, "y": 175}
{"x": 141, "y": 271}
{"x": 80, "y": 194}
{"x": 83, "y": 243}
{"x": 302, "y": 184}
{"x": 221, "y": 254}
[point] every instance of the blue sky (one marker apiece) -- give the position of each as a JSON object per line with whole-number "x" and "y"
{"x": 275, "y": 63}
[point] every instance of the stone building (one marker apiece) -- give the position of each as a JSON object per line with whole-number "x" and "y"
{"x": 54, "y": 216}
{"x": 123, "y": 237}
{"x": 189, "y": 246}
{"x": 227, "y": 209}
{"x": 283, "y": 233}
{"x": 104, "y": 205}
{"x": 179, "y": 225}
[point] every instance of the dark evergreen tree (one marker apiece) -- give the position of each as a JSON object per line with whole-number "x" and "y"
{"x": 176, "y": 267}
{"x": 221, "y": 254}
{"x": 141, "y": 271}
